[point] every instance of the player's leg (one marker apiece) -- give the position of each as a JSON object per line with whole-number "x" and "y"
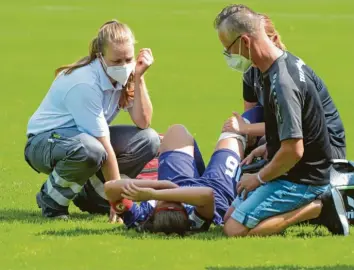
{"x": 178, "y": 138}
{"x": 223, "y": 171}
{"x": 176, "y": 160}
{"x": 276, "y": 198}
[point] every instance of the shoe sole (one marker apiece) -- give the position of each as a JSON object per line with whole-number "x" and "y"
{"x": 60, "y": 217}
{"x": 340, "y": 208}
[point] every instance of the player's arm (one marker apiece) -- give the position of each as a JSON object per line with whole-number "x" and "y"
{"x": 114, "y": 189}
{"x": 200, "y": 197}
{"x": 250, "y": 100}
{"x": 288, "y": 108}
{"x": 257, "y": 129}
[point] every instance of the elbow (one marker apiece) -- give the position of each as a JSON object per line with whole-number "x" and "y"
{"x": 294, "y": 149}
{"x": 298, "y": 151}
{"x": 144, "y": 125}
{"x": 298, "y": 154}
{"x": 143, "y": 122}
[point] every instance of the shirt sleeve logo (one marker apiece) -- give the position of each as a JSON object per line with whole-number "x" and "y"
{"x": 275, "y": 100}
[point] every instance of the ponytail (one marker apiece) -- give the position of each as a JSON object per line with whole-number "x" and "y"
{"x": 93, "y": 50}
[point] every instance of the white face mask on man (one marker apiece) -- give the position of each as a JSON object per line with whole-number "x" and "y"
{"x": 238, "y": 62}
{"x": 119, "y": 73}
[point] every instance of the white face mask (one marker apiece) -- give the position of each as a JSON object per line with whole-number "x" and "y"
{"x": 119, "y": 73}
{"x": 238, "y": 62}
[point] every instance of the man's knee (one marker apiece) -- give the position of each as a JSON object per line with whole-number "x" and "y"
{"x": 233, "y": 228}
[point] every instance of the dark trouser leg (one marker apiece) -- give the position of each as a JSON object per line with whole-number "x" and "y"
{"x": 70, "y": 158}
{"x": 134, "y": 148}
{"x": 338, "y": 152}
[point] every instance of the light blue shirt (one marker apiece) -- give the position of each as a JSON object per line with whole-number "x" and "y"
{"x": 85, "y": 98}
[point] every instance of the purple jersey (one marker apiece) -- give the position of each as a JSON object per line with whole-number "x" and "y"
{"x": 180, "y": 168}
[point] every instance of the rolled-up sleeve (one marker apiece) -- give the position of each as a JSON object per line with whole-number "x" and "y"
{"x": 84, "y": 103}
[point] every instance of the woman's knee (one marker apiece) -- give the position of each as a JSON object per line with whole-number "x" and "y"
{"x": 153, "y": 141}
{"x": 92, "y": 154}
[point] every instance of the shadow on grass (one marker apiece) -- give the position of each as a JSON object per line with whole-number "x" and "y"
{"x": 284, "y": 267}
{"x": 83, "y": 232}
{"x": 215, "y": 233}
{"x": 35, "y": 217}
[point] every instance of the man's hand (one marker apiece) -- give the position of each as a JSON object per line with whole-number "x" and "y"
{"x": 247, "y": 183}
{"x": 235, "y": 124}
{"x": 134, "y": 193}
{"x": 143, "y": 61}
{"x": 260, "y": 151}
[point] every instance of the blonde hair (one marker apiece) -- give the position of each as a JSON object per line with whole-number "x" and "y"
{"x": 110, "y": 32}
{"x": 272, "y": 33}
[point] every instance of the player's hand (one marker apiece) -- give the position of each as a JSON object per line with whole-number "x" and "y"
{"x": 143, "y": 61}
{"x": 247, "y": 183}
{"x": 260, "y": 151}
{"x": 114, "y": 218}
{"x": 134, "y": 193}
{"x": 235, "y": 124}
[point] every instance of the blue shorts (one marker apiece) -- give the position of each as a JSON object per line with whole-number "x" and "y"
{"x": 221, "y": 174}
{"x": 272, "y": 199}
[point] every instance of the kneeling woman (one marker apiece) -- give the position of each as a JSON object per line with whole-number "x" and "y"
{"x": 69, "y": 136}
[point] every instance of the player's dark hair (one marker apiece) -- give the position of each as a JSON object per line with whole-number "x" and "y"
{"x": 167, "y": 220}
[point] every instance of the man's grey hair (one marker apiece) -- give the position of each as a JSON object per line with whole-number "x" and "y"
{"x": 238, "y": 19}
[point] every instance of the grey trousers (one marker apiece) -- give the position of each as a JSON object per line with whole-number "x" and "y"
{"x": 73, "y": 159}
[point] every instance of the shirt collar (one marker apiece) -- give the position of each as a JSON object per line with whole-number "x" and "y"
{"x": 103, "y": 79}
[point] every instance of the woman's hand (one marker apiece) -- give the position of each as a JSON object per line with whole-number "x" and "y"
{"x": 143, "y": 62}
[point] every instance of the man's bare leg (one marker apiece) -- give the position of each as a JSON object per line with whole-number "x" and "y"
{"x": 279, "y": 223}
{"x": 274, "y": 224}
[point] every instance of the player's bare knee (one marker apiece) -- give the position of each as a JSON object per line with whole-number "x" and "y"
{"x": 177, "y": 137}
{"x": 232, "y": 228}
{"x": 231, "y": 143}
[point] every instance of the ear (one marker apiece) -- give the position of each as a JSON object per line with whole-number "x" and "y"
{"x": 274, "y": 38}
{"x": 246, "y": 41}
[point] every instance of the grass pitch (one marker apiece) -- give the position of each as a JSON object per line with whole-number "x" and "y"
{"x": 189, "y": 83}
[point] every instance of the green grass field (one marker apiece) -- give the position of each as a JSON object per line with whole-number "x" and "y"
{"x": 190, "y": 84}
